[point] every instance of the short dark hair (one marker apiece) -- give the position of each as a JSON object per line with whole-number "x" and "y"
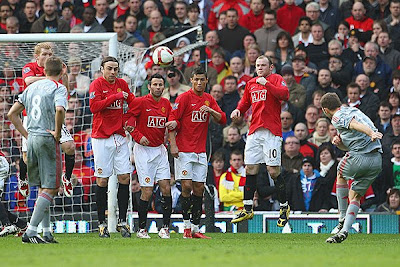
{"x": 353, "y": 85}
{"x": 236, "y": 152}
{"x": 108, "y": 59}
{"x": 156, "y": 76}
{"x": 53, "y": 66}
{"x": 306, "y": 19}
{"x": 231, "y": 77}
{"x": 270, "y": 12}
{"x": 385, "y": 104}
{"x": 218, "y": 156}
{"x": 396, "y": 74}
{"x": 198, "y": 71}
{"x": 120, "y": 20}
{"x": 330, "y": 101}
{"x": 232, "y": 10}
{"x": 193, "y": 6}
{"x": 395, "y": 142}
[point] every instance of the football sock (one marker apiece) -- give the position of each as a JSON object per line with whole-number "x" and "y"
{"x": 342, "y": 195}
{"x": 101, "y": 202}
{"x": 123, "y": 199}
{"x": 167, "y": 209}
{"x": 196, "y": 209}
{"x": 46, "y": 223}
{"x": 186, "y": 207}
{"x": 143, "y": 205}
{"x": 42, "y": 203}
{"x": 69, "y": 165}
{"x": 249, "y": 189}
{"x": 15, "y": 220}
{"x": 3, "y": 215}
{"x": 351, "y": 215}
{"x": 23, "y": 169}
{"x": 280, "y": 186}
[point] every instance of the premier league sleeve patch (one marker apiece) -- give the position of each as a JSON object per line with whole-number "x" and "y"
{"x": 175, "y": 106}
{"x": 26, "y": 70}
{"x": 92, "y": 95}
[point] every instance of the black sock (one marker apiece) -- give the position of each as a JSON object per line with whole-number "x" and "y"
{"x": 101, "y": 201}
{"x": 143, "y": 205}
{"x": 23, "y": 169}
{"x": 186, "y": 204}
{"x": 69, "y": 165}
{"x": 196, "y": 209}
{"x": 123, "y": 199}
{"x": 281, "y": 189}
{"x": 3, "y": 215}
{"x": 249, "y": 190}
{"x": 17, "y": 221}
{"x": 167, "y": 209}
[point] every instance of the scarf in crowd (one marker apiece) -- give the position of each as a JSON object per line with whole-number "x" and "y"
{"x": 219, "y": 67}
{"x": 355, "y": 104}
{"x": 325, "y": 168}
{"x": 230, "y": 183}
{"x": 318, "y": 139}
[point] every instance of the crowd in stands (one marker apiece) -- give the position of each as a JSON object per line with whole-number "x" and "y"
{"x": 349, "y": 47}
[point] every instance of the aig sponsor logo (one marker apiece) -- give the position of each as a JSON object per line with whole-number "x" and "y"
{"x": 156, "y": 122}
{"x": 257, "y": 96}
{"x": 116, "y": 105}
{"x": 198, "y": 116}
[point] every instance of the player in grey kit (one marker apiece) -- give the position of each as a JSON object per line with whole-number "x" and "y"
{"x": 362, "y": 163}
{"x": 45, "y": 102}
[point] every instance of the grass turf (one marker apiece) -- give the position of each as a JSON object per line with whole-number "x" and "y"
{"x": 223, "y": 250}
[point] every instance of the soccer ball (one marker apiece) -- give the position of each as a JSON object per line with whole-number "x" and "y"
{"x": 163, "y": 56}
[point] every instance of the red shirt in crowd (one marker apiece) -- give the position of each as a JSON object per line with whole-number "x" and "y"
{"x": 252, "y": 22}
{"x": 219, "y": 6}
{"x": 288, "y": 16}
{"x": 106, "y": 101}
{"x": 192, "y": 124}
{"x": 151, "y": 117}
{"x": 265, "y": 101}
{"x": 363, "y": 25}
{"x": 368, "y": 194}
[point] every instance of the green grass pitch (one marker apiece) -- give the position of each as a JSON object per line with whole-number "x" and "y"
{"x": 222, "y": 250}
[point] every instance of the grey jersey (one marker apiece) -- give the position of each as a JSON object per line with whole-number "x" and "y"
{"x": 354, "y": 140}
{"x": 40, "y": 100}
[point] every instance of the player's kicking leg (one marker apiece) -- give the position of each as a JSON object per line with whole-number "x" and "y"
{"x": 166, "y": 201}
{"x": 68, "y": 146}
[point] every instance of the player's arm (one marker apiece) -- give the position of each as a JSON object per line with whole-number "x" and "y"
{"x": 337, "y": 141}
{"x": 243, "y": 105}
{"x": 96, "y": 103}
{"x": 216, "y": 112}
{"x": 172, "y": 141}
{"x": 59, "y": 119}
{"x": 355, "y": 125}
{"x": 31, "y": 79}
{"x": 279, "y": 90}
{"x": 13, "y": 116}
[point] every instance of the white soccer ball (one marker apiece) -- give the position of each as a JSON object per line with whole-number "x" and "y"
{"x": 163, "y": 56}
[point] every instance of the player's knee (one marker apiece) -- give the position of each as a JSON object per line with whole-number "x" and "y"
{"x": 123, "y": 178}
{"x": 165, "y": 188}
{"x": 49, "y": 191}
{"x": 68, "y": 148}
{"x": 198, "y": 188}
{"x": 186, "y": 187}
{"x": 252, "y": 169}
{"x": 274, "y": 171}
{"x": 102, "y": 182}
{"x": 147, "y": 192}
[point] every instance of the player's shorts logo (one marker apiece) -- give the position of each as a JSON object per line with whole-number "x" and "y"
{"x": 99, "y": 170}
{"x": 147, "y": 180}
{"x": 257, "y": 96}
{"x": 198, "y": 116}
{"x": 119, "y": 90}
{"x": 207, "y": 103}
{"x": 184, "y": 172}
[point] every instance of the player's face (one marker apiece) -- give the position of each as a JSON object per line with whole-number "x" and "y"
{"x": 199, "y": 83}
{"x": 43, "y": 56}
{"x": 110, "y": 71}
{"x": 263, "y": 67}
{"x": 156, "y": 87}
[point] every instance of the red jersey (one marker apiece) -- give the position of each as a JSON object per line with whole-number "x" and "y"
{"x": 192, "y": 124}
{"x": 265, "y": 101}
{"x": 151, "y": 117}
{"x": 105, "y": 102}
{"x": 32, "y": 69}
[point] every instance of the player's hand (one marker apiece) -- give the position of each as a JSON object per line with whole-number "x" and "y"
{"x": 125, "y": 94}
{"x": 261, "y": 80}
{"x": 64, "y": 69}
{"x": 336, "y": 140}
{"x": 205, "y": 108}
{"x": 144, "y": 141}
{"x": 56, "y": 136}
{"x": 235, "y": 114}
{"x": 376, "y": 135}
{"x": 171, "y": 125}
{"x": 174, "y": 151}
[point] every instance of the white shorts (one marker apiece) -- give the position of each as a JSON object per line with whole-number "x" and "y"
{"x": 191, "y": 166}
{"x": 263, "y": 147}
{"x": 65, "y": 135}
{"x": 111, "y": 154}
{"x": 151, "y": 164}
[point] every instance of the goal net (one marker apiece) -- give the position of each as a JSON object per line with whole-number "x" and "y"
{"x": 83, "y": 54}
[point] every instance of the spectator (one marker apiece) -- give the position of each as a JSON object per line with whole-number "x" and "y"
{"x": 5, "y": 12}
{"x": 369, "y": 101}
{"x": 102, "y": 16}
{"x": 392, "y": 204}
{"x": 156, "y": 26}
{"x": 287, "y": 122}
{"x": 220, "y": 6}
{"x": 252, "y": 53}
{"x": 27, "y": 17}
{"x": 211, "y": 72}
{"x": 342, "y": 34}
{"x": 216, "y": 169}
{"x": 12, "y": 25}
{"x": 49, "y": 22}
{"x": 360, "y": 21}
{"x": 382, "y": 123}
{"x": 120, "y": 9}
{"x": 148, "y": 7}
{"x": 341, "y": 77}
{"x": 317, "y": 51}
{"x": 389, "y": 138}
{"x": 167, "y": 9}
{"x": 324, "y": 84}
{"x": 194, "y": 18}
{"x": 314, "y": 13}
{"x": 316, "y": 101}
{"x": 377, "y": 79}
{"x": 394, "y": 100}
{"x": 311, "y": 115}
{"x": 328, "y": 165}
{"x": 77, "y": 81}
{"x": 175, "y": 87}
{"x": 236, "y": 65}
{"x": 68, "y": 15}
{"x": 217, "y": 93}
{"x": 181, "y": 13}
{"x": 288, "y": 16}
{"x": 304, "y": 35}
{"x": 266, "y": 36}
{"x": 131, "y": 24}
{"x": 393, "y": 23}
{"x": 354, "y": 51}
{"x": 292, "y": 159}
{"x": 329, "y": 14}
{"x": 390, "y": 177}
{"x": 307, "y": 149}
{"x": 389, "y": 55}
{"x": 377, "y": 27}
{"x": 307, "y": 190}
{"x": 254, "y": 19}
{"x": 248, "y": 40}
{"x": 219, "y": 64}
{"x": 395, "y": 82}
{"x": 90, "y": 24}
{"x": 231, "y": 37}
{"x": 320, "y": 135}
{"x": 235, "y": 142}
{"x": 212, "y": 40}
{"x": 12, "y": 79}
{"x": 231, "y": 184}
{"x": 221, "y": 20}
{"x": 134, "y": 9}
{"x": 240, "y": 123}
{"x": 231, "y": 96}
{"x": 307, "y": 80}
{"x": 284, "y": 51}
{"x": 353, "y": 96}
{"x": 310, "y": 67}
{"x": 380, "y": 11}
{"x": 297, "y": 92}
